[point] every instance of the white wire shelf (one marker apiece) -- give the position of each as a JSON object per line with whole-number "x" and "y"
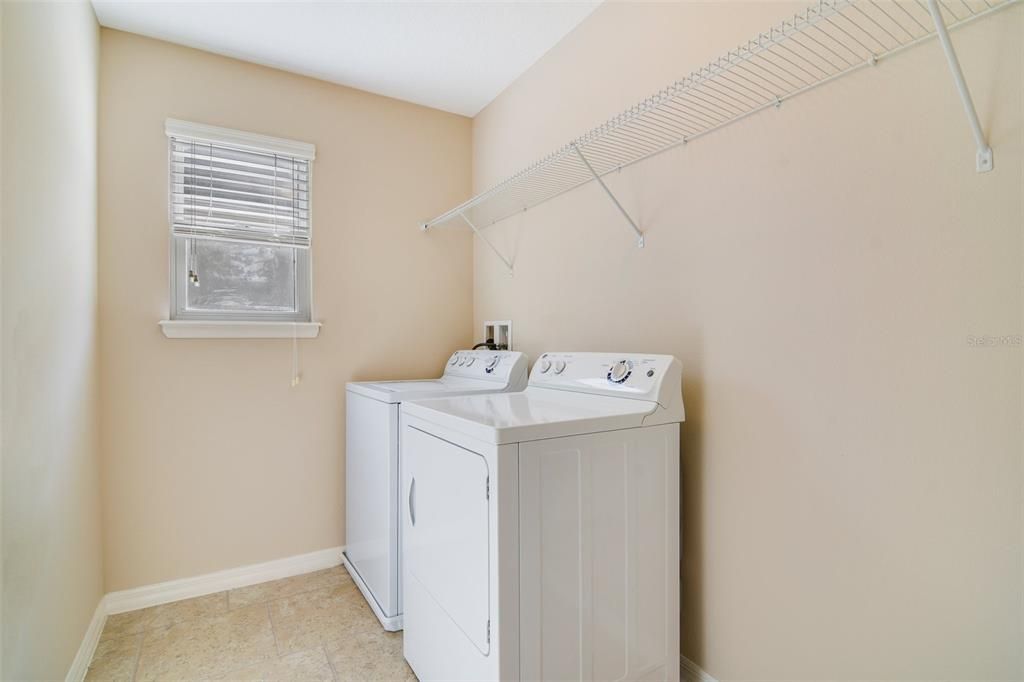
{"x": 826, "y": 41}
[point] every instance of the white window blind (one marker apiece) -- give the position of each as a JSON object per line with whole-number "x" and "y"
{"x": 238, "y": 187}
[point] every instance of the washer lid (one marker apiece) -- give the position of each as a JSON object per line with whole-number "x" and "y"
{"x": 535, "y": 413}
{"x": 400, "y": 391}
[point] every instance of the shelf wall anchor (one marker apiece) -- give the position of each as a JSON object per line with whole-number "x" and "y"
{"x": 632, "y": 223}
{"x": 984, "y": 150}
{"x": 478, "y": 233}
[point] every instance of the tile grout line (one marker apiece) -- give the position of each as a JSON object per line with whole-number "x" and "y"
{"x": 334, "y": 673}
{"x": 148, "y": 630}
{"x": 138, "y": 656}
{"x": 273, "y": 630}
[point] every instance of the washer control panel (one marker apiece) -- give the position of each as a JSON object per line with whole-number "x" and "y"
{"x": 620, "y": 371}
{"x": 618, "y": 374}
{"x": 486, "y": 364}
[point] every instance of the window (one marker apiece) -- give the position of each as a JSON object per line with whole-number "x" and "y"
{"x": 241, "y": 225}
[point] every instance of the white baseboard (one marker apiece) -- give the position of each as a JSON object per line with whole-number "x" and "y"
{"x": 80, "y": 666}
{"x": 691, "y": 672}
{"x": 185, "y": 588}
{"x": 243, "y": 576}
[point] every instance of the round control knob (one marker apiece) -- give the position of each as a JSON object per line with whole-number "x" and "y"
{"x": 559, "y": 366}
{"x": 470, "y": 360}
{"x": 492, "y": 363}
{"x": 462, "y": 361}
{"x": 545, "y": 365}
{"x": 455, "y": 358}
{"x": 619, "y": 372}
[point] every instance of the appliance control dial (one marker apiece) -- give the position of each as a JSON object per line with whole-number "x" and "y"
{"x": 470, "y": 360}
{"x": 620, "y": 371}
{"x": 559, "y": 366}
{"x": 455, "y": 358}
{"x": 491, "y": 364}
{"x": 462, "y": 361}
{"x": 545, "y": 365}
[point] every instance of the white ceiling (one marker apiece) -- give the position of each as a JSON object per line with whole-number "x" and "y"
{"x": 456, "y": 56}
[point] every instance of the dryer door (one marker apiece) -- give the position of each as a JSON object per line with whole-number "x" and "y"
{"x": 447, "y": 542}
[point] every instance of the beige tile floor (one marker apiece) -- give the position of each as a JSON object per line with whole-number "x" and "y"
{"x": 310, "y": 627}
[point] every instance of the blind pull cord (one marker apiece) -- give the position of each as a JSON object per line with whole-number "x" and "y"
{"x": 296, "y": 374}
{"x": 193, "y": 273}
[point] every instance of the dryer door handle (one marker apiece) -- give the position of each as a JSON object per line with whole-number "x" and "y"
{"x": 412, "y": 501}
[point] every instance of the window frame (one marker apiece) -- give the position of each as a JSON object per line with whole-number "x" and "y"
{"x": 178, "y": 246}
{"x": 179, "y": 290}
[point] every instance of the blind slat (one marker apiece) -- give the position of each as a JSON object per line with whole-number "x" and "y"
{"x": 232, "y": 185}
{"x": 247, "y": 198}
{"x": 236, "y": 178}
{"x": 203, "y": 166}
{"x": 224, "y": 193}
{"x": 239, "y": 215}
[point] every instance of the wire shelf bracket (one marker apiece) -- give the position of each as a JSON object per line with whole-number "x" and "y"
{"x": 508, "y": 262}
{"x": 826, "y": 41}
{"x": 625, "y": 214}
{"x": 984, "y": 156}
{"x": 478, "y": 233}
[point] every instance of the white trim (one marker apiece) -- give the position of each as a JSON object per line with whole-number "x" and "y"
{"x": 691, "y": 672}
{"x": 239, "y": 138}
{"x": 80, "y": 666}
{"x": 243, "y": 576}
{"x": 389, "y": 623}
{"x": 238, "y": 329}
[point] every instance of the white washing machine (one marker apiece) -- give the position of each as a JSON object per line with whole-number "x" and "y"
{"x": 541, "y": 528}
{"x": 372, "y": 508}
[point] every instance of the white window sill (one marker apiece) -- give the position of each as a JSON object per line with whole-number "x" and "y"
{"x": 236, "y": 329}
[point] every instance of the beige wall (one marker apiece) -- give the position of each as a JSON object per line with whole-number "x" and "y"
{"x": 852, "y": 467}
{"x": 211, "y": 459}
{"x": 52, "y": 561}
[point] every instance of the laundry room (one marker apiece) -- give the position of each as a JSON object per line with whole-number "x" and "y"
{"x": 539, "y": 340}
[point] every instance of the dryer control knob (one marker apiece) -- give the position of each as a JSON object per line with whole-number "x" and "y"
{"x": 545, "y": 365}
{"x": 455, "y": 358}
{"x": 620, "y": 371}
{"x": 470, "y": 360}
{"x": 559, "y": 366}
{"x": 492, "y": 363}
{"x": 462, "y": 360}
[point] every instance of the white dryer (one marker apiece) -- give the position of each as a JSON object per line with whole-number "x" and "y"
{"x": 372, "y": 508}
{"x": 541, "y": 528}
